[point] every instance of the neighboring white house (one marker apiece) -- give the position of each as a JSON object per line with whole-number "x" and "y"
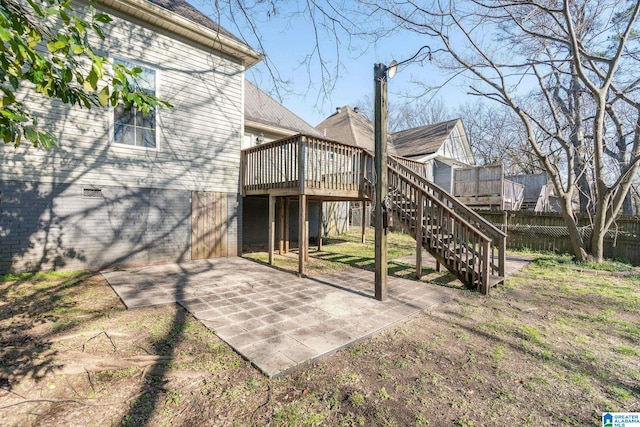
{"x": 441, "y": 147}
{"x": 127, "y": 188}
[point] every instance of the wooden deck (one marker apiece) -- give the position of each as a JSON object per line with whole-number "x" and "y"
{"x": 306, "y": 167}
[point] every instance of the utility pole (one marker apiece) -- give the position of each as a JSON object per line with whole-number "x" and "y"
{"x": 380, "y": 127}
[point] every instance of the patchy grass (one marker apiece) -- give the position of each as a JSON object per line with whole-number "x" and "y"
{"x": 343, "y": 252}
{"x": 556, "y": 345}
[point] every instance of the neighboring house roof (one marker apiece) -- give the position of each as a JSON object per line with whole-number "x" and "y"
{"x": 179, "y": 17}
{"x": 422, "y": 140}
{"x": 350, "y": 127}
{"x": 263, "y": 112}
{"x": 426, "y": 140}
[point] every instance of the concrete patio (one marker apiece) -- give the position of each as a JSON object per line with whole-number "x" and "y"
{"x": 274, "y": 318}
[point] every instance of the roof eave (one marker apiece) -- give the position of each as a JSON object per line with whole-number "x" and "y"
{"x": 269, "y": 128}
{"x": 163, "y": 18}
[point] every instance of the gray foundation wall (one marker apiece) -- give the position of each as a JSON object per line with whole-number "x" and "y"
{"x": 46, "y": 226}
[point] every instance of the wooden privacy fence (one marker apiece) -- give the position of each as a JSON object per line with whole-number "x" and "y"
{"x": 486, "y": 187}
{"x": 547, "y": 231}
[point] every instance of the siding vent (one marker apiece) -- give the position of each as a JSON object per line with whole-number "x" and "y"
{"x": 92, "y": 193}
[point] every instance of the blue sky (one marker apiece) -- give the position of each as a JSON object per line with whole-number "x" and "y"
{"x": 288, "y": 43}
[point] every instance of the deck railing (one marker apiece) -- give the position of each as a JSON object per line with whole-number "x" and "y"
{"x": 497, "y": 246}
{"x": 304, "y": 162}
{"x": 465, "y": 242}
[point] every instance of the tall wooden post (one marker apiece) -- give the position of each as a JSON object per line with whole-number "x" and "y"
{"x": 419, "y": 235}
{"x": 380, "y": 129}
{"x": 303, "y": 241}
{"x": 272, "y": 226}
{"x": 281, "y": 225}
{"x": 306, "y": 229}
{"x": 364, "y": 221}
{"x": 320, "y": 228}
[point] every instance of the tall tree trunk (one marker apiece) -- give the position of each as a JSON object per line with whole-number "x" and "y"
{"x": 576, "y": 238}
{"x": 580, "y": 165}
{"x": 599, "y": 230}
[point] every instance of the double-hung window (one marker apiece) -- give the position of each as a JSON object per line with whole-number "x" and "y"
{"x": 132, "y": 127}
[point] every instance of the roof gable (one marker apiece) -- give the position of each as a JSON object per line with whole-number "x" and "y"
{"x": 350, "y": 127}
{"x": 262, "y": 109}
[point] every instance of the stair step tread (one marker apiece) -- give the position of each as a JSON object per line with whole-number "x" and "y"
{"x": 495, "y": 280}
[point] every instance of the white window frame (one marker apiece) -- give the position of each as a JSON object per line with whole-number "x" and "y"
{"x": 112, "y": 119}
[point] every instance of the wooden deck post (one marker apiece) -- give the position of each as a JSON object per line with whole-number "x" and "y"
{"x": 320, "y": 228}
{"x": 302, "y": 240}
{"x": 306, "y": 229}
{"x": 419, "y": 215}
{"x": 287, "y": 206}
{"x": 486, "y": 268}
{"x": 281, "y": 226}
{"x": 363, "y": 226}
{"x": 272, "y": 226}
{"x": 502, "y": 247}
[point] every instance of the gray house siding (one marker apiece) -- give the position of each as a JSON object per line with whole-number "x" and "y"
{"x": 144, "y": 213}
{"x": 199, "y": 139}
{"x": 442, "y": 175}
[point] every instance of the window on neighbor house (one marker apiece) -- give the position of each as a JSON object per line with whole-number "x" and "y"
{"x": 132, "y": 127}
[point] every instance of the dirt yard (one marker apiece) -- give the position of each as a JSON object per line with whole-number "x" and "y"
{"x": 557, "y": 345}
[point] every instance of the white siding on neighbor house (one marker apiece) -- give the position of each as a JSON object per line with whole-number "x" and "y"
{"x": 198, "y": 139}
{"x": 453, "y": 147}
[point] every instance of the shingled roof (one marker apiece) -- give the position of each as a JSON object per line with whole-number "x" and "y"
{"x": 423, "y": 140}
{"x": 261, "y": 108}
{"x": 180, "y": 19}
{"x": 352, "y": 128}
{"x": 184, "y": 9}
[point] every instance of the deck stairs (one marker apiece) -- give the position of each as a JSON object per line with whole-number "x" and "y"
{"x": 307, "y": 166}
{"x": 466, "y": 244}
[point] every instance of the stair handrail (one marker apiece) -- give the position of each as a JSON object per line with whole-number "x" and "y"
{"x": 442, "y": 205}
{"x": 499, "y": 237}
{"x": 475, "y": 275}
{"x": 437, "y": 190}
